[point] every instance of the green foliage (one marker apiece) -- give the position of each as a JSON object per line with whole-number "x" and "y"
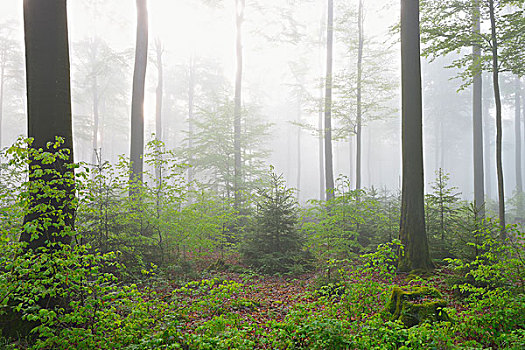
{"x": 442, "y": 213}
{"x": 494, "y": 289}
{"x": 274, "y": 244}
{"x": 351, "y": 222}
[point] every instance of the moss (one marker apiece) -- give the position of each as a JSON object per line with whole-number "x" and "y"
{"x": 416, "y": 305}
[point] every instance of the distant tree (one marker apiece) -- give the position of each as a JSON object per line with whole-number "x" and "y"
{"x": 412, "y": 227}
{"x": 98, "y": 85}
{"x": 159, "y": 95}
{"x": 477, "y": 123}
{"x": 329, "y": 169}
{"x": 517, "y": 138}
{"x": 137, "y": 100}
{"x": 10, "y": 72}
{"x": 239, "y": 18}
{"x": 213, "y": 149}
{"x": 364, "y": 88}
{"x": 451, "y": 25}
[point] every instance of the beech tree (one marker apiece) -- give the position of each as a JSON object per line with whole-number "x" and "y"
{"x": 412, "y": 231}
{"x": 328, "y": 158}
{"x": 137, "y": 102}
{"x": 49, "y": 116}
{"x": 451, "y": 25}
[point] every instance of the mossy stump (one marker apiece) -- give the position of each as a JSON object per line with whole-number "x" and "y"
{"x": 416, "y": 305}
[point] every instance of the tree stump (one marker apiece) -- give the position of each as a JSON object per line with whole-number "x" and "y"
{"x": 416, "y": 305}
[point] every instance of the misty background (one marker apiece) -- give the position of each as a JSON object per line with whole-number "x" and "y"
{"x": 284, "y": 54}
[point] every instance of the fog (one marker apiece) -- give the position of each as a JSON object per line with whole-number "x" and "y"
{"x": 282, "y": 56}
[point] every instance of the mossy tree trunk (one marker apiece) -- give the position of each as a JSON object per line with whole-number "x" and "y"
{"x": 412, "y": 231}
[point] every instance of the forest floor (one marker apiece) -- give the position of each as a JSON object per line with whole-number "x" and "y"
{"x": 244, "y": 310}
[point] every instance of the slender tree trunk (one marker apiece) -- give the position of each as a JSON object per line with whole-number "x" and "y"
{"x": 517, "y": 129}
{"x": 159, "y": 94}
{"x": 488, "y": 150}
{"x": 479, "y": 185}
{"x": 137, "y": 103}
{"x": 359, "y": 141}
{"x": 412, "y": 231}
{"x": 322, "y": 189}
{"x": 359, "y": 133}
{"x": 299, "y": 110}
{"x": 2, "y": 82}
{"x": 96, "y": 117}
{"x": 369, "y": 155}
{"x": 191, "y": 106}
{"x": 237, "y": 176}
{"x": 499, "y": 128}
{"x": 523, "y": 118}
{"x": 351, "y": 157}
{"x": 328, "y": 104}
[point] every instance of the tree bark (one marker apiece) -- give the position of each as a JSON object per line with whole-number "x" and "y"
{"x": 517, "y": 135}
{"x": 95, "y": 101}
{"x": 359, "y": 97}
{"x": 2, "y": 82}
{"x": 499, "y": 128}
{"x": 159, "y": 95}
{"x": 328, "y": 104}
{"x": 237, "y": 175}
{"x": 49, "y": 116}
{"x": 191, "y": 106}
{"x": 137, "y": 102}
{"x": 412, "y": 225}
{"x": 298, "y": 181}
{"x": 479, "y": 185}
{"x": 487, "y": 140}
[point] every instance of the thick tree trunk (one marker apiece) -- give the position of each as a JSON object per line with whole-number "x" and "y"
{"x": 517, "y": 135}
{"x": 479, "y": 185}
{"x": 328, "y": 104}
{"x": 412, "y": 226}
{"x": 499, "y": 128}
{"x": 137, "y": 102}
{"x": 359, "y": 141}
{"x": 237, "y": 175}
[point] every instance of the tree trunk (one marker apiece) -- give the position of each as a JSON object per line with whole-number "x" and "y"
{"x": 499, "y": 128}
{"x": 517, "y": 129}
{"x": 49, "y": 115}
{"x": 137, "y": 102}
{"x": 298, "y": 182}
{"x": 479, "y": 185}
{"x": 191, "y": 106}
{"x": 412, "y": 226}
{"x": 322, "y": 190}
{"x": 237, "y": 174}
{"x": 95, "y": 98}
{"x": 488, "y": 150}
{"x": 328, "y": 104}
{"x": 359, "y": 141}
{"x": 159, "y": 94}
{"x": 2, "y": 81}
{"x": 351, "y": 157}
